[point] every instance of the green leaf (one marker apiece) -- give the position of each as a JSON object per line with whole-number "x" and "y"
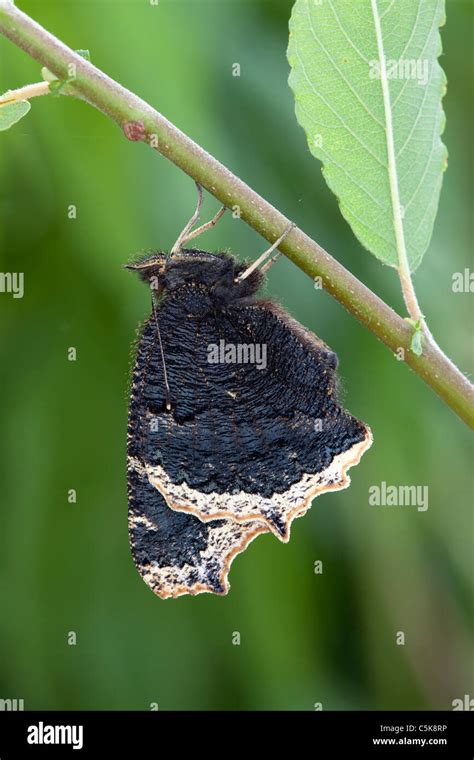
{"x": 368, "y": 89}
{"x": 84, "y": 53}
{"x": 10, "y": 113}
{"x": 56, "y": 86}
{"x": 417, "y": 342}
{"x": 48, "y": 75}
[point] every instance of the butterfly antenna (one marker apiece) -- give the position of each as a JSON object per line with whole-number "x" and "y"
{"x": 165, "y": 374}
{"x": 265, "y": 256}
{"x": 186, "y": 235}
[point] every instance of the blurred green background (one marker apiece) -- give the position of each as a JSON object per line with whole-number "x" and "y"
{"x": 305, "y": 638}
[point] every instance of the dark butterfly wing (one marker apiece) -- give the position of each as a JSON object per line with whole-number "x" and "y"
{"x": 254, "y": 436}
{"x": 177, "y": 553}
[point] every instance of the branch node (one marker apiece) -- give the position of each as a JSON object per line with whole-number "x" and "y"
{"x": 134, "y": 130}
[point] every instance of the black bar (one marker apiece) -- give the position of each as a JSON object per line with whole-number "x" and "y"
{"x": 312, "y": 734}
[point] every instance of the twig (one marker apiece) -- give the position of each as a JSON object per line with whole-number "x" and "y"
{"x": 139, "y": 121}
{"x": 25, "y": 93}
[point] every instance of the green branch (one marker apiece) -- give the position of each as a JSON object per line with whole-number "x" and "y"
{"x": 139, "y": 121}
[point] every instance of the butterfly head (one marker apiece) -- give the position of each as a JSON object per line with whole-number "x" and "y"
{"x": 217, "y": 272}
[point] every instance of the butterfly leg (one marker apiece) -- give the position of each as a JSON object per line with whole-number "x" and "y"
{"x": 265, "y": 256}
{"x": 188, "y": 233}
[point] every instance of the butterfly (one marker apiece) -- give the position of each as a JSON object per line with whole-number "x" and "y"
{"x": 234, "y": 421}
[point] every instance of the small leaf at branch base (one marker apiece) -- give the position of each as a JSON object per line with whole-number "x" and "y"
{"x": 48, "y": 75}
{"x": 10, "y": 113}
{"x": 84, "y": 53}
{"x": 417, "y": 342}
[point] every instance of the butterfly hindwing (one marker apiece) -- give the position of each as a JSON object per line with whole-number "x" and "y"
{"x": 174, "y": 553}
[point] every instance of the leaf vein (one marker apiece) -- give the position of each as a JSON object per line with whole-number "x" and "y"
{"x": 329, "y": 106}
{"x": 344, "y": 79}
